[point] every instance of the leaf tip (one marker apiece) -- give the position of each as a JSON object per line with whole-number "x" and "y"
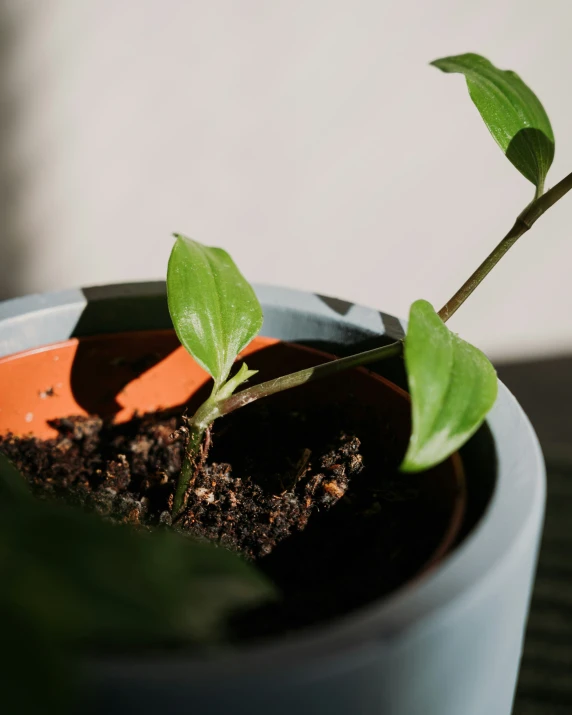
{"x": 442, "y": 63}
{"x": 409, "y": 467}
{"x": 417, "y": 460}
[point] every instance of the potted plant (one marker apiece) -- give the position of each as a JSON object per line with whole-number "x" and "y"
{"x": 382, "y": 569}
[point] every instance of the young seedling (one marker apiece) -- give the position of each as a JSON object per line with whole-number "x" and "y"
{"x": 452, "y": 384}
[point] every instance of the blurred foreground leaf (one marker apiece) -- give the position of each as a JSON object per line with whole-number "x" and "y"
{"x": 72, "y": 582}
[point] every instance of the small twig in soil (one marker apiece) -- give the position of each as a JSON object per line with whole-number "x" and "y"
{"x": 301, "y": 467}
{"x": 205, "y": 447}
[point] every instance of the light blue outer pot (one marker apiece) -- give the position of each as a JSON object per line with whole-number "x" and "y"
{"x": 446, "y": 644}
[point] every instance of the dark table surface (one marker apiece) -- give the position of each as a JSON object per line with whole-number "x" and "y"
{"x": 544, "y": 389}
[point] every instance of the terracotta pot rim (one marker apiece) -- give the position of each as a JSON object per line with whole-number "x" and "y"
{"x": 455, "y": 521}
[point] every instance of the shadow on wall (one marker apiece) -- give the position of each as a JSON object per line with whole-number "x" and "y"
{"x": 11, "y": 239}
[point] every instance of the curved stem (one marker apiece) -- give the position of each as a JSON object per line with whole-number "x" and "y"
{"x": 279, "y": 384}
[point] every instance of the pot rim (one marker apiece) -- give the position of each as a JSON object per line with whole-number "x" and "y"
{"x": 513, "y": 515}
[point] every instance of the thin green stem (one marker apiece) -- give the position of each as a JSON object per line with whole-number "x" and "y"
{"x": 483, "y": 270}
{"x": 271, "y": 387}
{"x": 197, "y": 426}
{"x": 522, "y": 224}
{"x": 533, "y": 212}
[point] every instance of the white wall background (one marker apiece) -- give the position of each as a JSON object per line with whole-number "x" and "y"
{"x": 307, "y": 137}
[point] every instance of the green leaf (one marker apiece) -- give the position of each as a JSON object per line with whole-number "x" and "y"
{"x": 213, "y": 307}
{"x": 79, "y": 580}
{"x": 452, "y": 386}
{"x": 242, "y": 376}
{"x": 72, "y": 583}
{"x": 512, "y": 112}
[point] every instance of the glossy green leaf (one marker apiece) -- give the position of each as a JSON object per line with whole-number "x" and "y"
{"x": 213, "y": 307}
{"x": 82, "y": 580}
{"x": 511, "y": 111}
{"x": 452, "y": 385}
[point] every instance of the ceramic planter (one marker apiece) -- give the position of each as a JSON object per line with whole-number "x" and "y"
{"x": 444, "y": 644}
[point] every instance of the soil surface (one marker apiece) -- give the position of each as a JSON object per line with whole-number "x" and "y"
{"x": 312, "y": 497}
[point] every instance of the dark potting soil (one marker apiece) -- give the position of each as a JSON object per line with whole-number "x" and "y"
{"x": 315, "y": 501}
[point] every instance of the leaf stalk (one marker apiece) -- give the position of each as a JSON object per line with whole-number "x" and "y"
{"x": 279, "y": 384}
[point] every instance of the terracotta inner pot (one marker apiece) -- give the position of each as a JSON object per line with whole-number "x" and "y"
{"x": 118, "y": 375}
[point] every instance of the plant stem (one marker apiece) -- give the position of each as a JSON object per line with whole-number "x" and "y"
{"x": 286, "y": 382}
{"x": 188, "y": 467}
{"x": 522, "y": 224}
{"x": 483, "y": 270}
{"x": 197, "y": 426}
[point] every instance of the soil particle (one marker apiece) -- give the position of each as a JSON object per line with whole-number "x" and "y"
{"x": 49, "y": 392}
